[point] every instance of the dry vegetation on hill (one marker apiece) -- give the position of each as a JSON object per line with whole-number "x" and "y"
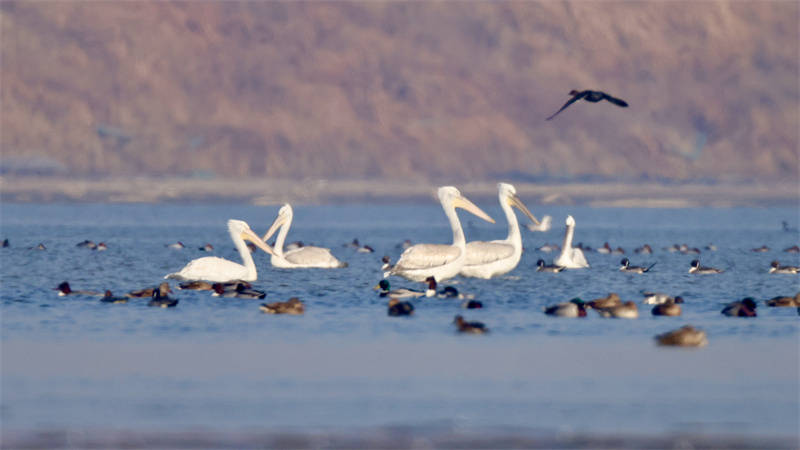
{"x": 383, "y": 89}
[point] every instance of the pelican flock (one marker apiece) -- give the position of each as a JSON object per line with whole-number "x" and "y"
{"x": 212, "y": 268}
{"x": 301, "y": 257}
{"x": 489, "y": 259}
{"x": 440, "y": 261}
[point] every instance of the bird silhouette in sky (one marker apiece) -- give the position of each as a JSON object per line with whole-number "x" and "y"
{"x": 590, "y": 96}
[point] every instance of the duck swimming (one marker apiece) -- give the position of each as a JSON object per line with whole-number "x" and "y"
{"x": 590, "y": 96}
{"x": 162, "y": 288}
{"x": 293, "y": 307}
{"x": 627, "y": 267}
{"x": 654, "y": 298}
{"x": 469, "y": 327}
{"x": 64, "y": 290}
{"x": 702, "y": 270}
{"x": 572, "y": 308}
{"x": 110, "y": 298}
{"x": 399, "y": 308}
{"x": 627, "y": 310}
{"x": 161, "y": 301}
{"x": 541, "y": 266}
{"x": 669, "y": 308}
{"x": 385, "y": 291}
{"x": 744, "y": 308}
{"x": 782, "y": 301}
{"x": 236, "y": 290}
{"x": 686, "y": 336}
{"x": 471, "y": 304}
{"x": 776, "y": 267}
{"x": 610, "y": 300}
{"x": 446, "y": 292}
{"x": 196, "y": 286}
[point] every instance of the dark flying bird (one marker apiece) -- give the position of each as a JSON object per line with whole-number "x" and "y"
{"x": 590, "y": 96}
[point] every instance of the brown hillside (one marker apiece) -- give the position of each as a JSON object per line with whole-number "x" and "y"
{"x": 457, "y": 90}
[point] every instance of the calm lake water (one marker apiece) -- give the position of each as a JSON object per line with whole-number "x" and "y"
{"x": 220, "y": 364}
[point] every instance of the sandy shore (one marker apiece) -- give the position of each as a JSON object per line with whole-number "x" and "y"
{"x": 272, "y": 191}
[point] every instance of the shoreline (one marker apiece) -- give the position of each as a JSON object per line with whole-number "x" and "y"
{"x": 29, "y": 189}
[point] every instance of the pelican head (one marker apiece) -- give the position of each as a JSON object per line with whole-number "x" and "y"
{"x": 449, "y": 196}
{"x": 285, "y": 214}
{"x": 239, "y": 229}
{"x": 508, "y": 194}
{"x": 570, "y": 221}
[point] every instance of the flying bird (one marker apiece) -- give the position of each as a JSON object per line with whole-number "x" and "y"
{"x": 590, "y": 96}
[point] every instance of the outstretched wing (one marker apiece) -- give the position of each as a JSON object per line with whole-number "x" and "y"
{"x": 575, "y": 98}
{"x": 616, "y": 101}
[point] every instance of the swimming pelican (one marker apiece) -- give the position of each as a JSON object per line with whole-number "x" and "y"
{"x": 440, "y": 261}
{"x": 303, "y": 257}
{"x": 571, "y": 258}
{"x": 212, "y": 268}
{"x": 488, "y": 259}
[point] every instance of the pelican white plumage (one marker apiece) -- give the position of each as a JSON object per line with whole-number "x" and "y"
{"x": 440, "y": 261}
{"x": 571, "y": 258}
{"x": 489, "y": 259}
{"x": 212, "y": 268}
{"x": 306, "y": 256}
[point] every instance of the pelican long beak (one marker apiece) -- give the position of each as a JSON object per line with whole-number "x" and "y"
{"x": 280, "y": 220}
{"x": 516, "y": 202}
{"x": 463, "y": 203}
{"x": 252, "y": 237}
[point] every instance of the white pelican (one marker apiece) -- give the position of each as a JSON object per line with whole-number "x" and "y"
{"x": 571, "y": 258}
{"x": 440, "y": 261}
{"x": 212, "y": 268}
{"x": 488, "y": 259}
{"x": 302, "y": 257}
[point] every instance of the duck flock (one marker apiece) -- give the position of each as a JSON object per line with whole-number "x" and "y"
{"x": 432, "y": 264}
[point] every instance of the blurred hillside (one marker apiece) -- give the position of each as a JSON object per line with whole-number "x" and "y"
{"x": 427, "y": 91}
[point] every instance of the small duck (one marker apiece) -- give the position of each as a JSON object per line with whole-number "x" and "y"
{"x": 446, "y": 292}
{"x": 547, "y": 248}
{"x": 108, "y": 297}
{"x": 655, "y": 298}
{"x": 686, "y": 336}
{"x": 627, "y": 267}
{"x": 387, "y": 263}
{"x": 627, "y": 310}
{"x": 5, "y": 243}
{"x": 64, "y": 290}
{"x": 544, "y": 225}
{"x": 40, "y": 247}
{"x": 354, "y": 245}
{"x": 469, "y": 327}
{"x": 644, "y": 250}
{"x": 238, "y": 290}
{"x": 399, "y": 308}
{"x": 196, "y": 286}
{"x": 792, "y": 249}
{"x": 101, "y": 247}
{"x": 743, "y": 308}
{"x": 686, "y": 250}
{"x": 609, "y": 301}
{"x": 573, "y": 308}
{"x": 162, "y": 288}
{"x": 590, "y": 96}
{"x": 544, "y": 267}
{"x": 159, "y": 301}
{"x": 605, "y": 249}
{"x": 782, "y": 301}
{"x": 711, "y": 247}
{"x": 176, "y": 246}
{"x": 365, "y": 249}
{"x": 695, "y": 267}
{"x": 673, "y": 248}
{"x": 762, "y": 249}
{"x": 471, "y": 304}
{"x": 385, "y": 291}
{"x": 669, "y": 308}
{"x": 206, "y": 248}
{"x": 776, "y": 267}
{"x": 86, "y": 244}
{"x": 293, "y": 306}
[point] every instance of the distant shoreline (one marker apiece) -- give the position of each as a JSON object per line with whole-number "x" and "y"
{"x": 29, "y": 189}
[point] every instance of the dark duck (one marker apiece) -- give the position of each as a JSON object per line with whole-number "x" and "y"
{"x": 590, "y": 96}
